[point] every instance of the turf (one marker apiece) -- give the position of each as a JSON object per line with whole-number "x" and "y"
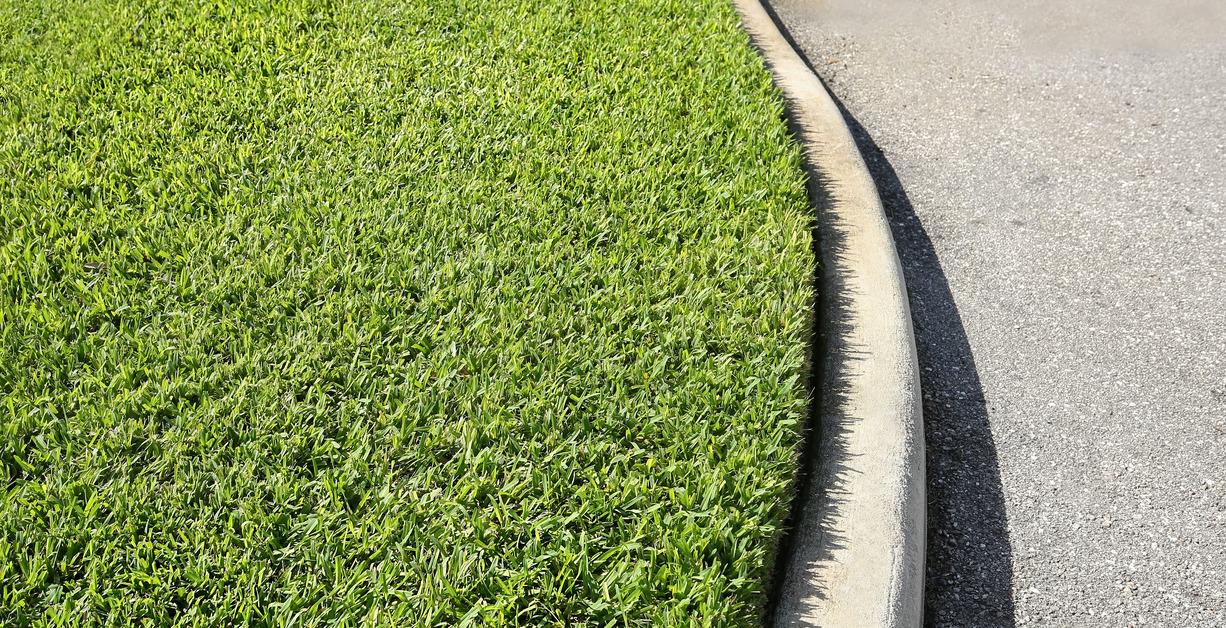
{"x": 320, "y": 312}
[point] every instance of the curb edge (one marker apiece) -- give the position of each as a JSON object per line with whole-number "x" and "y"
{"x": 857, "y": 548}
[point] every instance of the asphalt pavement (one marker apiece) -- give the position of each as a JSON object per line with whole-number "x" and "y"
{"x": 1055, "y": 175}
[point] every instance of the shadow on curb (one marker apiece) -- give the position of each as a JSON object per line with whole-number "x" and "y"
{"x": 969, "y": 568}
{"x": 824, "y": 448}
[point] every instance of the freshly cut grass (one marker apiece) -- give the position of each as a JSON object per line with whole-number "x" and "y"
{"x": 399, "y": 312}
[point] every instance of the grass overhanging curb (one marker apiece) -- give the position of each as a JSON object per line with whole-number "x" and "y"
{"x": 337, "y": 311}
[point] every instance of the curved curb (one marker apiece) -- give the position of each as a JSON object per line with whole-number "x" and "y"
{"x": 856, "y": 552}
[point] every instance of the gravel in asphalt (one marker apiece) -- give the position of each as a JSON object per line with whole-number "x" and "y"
{"x": 1055, "y": 173}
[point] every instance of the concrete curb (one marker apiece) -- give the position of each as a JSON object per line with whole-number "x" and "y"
{"x": 855, "y": 556}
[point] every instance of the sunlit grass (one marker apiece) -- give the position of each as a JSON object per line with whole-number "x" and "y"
{"x": 403, "y": 312}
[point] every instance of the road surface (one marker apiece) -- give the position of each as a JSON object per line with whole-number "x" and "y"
{"x": 1055, "y": 173}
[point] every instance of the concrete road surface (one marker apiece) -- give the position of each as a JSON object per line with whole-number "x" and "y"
{"x": 1055, "y": 171}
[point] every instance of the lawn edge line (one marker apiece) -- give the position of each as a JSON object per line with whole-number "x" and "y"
{"x": 855, "y": 553}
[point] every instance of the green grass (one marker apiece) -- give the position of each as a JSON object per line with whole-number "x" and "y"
{"x": 397, "y": 311}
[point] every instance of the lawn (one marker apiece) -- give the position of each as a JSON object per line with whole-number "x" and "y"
{"x": 402, "y": 312}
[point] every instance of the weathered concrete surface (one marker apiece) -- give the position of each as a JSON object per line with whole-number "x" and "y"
{"x": 1055, "y": 173}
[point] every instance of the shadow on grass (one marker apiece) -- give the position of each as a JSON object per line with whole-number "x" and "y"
{"x": 969, "y": 579}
